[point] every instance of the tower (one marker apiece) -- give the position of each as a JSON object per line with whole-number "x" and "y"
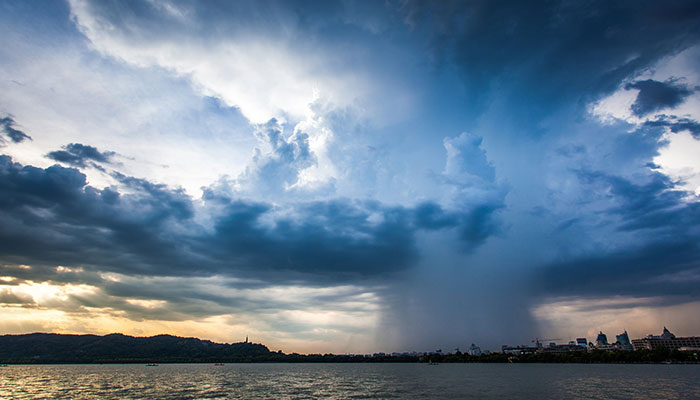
{"x": 601, "y": 339}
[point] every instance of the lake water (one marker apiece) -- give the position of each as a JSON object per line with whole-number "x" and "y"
{"x": 350, "y": 381}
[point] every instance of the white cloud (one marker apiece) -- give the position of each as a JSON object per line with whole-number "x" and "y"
{"x": 617, "y": 106}
{"x": 264, "y": 75}
{"x": 160, "y": 128}
{"x": 680, "y": 160}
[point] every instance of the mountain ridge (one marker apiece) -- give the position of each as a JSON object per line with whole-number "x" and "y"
{"x": 41, "y": 347}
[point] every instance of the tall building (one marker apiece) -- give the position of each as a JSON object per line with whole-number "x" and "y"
{"x": 601, "y": 339}
{"x": 623, "y": 338}
{"x": 474, "y": 350}
{"x": 667, "y": 340}
{"x": 666, "y": 334}
{"x": 623, "y": 341}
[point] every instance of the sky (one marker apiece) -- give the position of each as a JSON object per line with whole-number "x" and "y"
{"x": 350, "y": 176}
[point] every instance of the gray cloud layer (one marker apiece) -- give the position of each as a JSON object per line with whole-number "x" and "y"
{"x": 666, "y": 243}
{"x": 52, "y": 217}
{"x": 81, "y": 155}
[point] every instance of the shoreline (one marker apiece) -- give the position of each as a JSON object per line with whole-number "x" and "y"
{"x": 159, "y": 363}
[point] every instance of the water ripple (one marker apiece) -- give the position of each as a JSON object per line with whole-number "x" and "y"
{"x": 349, "y": 381}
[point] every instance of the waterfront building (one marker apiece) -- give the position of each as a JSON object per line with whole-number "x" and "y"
{"x": 666, "y": 334}
{"x": 518, "y": 350}
{"x": 606, "y": 347}
{"x": 623, "y": 338}
{"x": 474, "y": 350}
{"x": 562, "y": 348}
{"x": 614, "y": 347}
{"x": 623, "y": 341}
{"x": 602, "y": 339}
{"x": 582, "y": 341}
{"x": 667, "y": 340}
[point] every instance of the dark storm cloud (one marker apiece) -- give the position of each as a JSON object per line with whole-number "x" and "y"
{"x": 676, "y": 124}
{"x": 431, "y": 216}
{"x": 158, "y": 202}
{"x": 52, "y": 217}
{"x": 552, "y": 52}
{"x": 81, "y": 155}
{"x": 667, "y": 243}
{"x": 647, "y": 270}
{"x": 8, "y": 128}
{"x": 473, "y": 226}
{"x": 479, "y": 223}
{"x": 334, "y": 239}
{"x": 652, "y": 205}
{"x": 654, "y": 95}
{"x": 337, "y": 239}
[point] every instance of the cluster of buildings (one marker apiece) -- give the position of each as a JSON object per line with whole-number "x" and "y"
{"x": 472, "y": 350}
{"x": 622, "y": 343}
{"x": 668, "y": 340}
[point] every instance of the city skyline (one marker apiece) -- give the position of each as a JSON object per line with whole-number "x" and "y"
{"x": 350, "y": 177}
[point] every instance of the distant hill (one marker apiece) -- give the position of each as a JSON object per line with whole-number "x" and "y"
{"x": 58, "y": 348}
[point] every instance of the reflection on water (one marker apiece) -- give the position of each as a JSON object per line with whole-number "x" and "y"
{"x": 350, "y": 381}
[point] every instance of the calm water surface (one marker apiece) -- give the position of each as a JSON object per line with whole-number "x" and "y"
{"x": 350, "y": 381}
